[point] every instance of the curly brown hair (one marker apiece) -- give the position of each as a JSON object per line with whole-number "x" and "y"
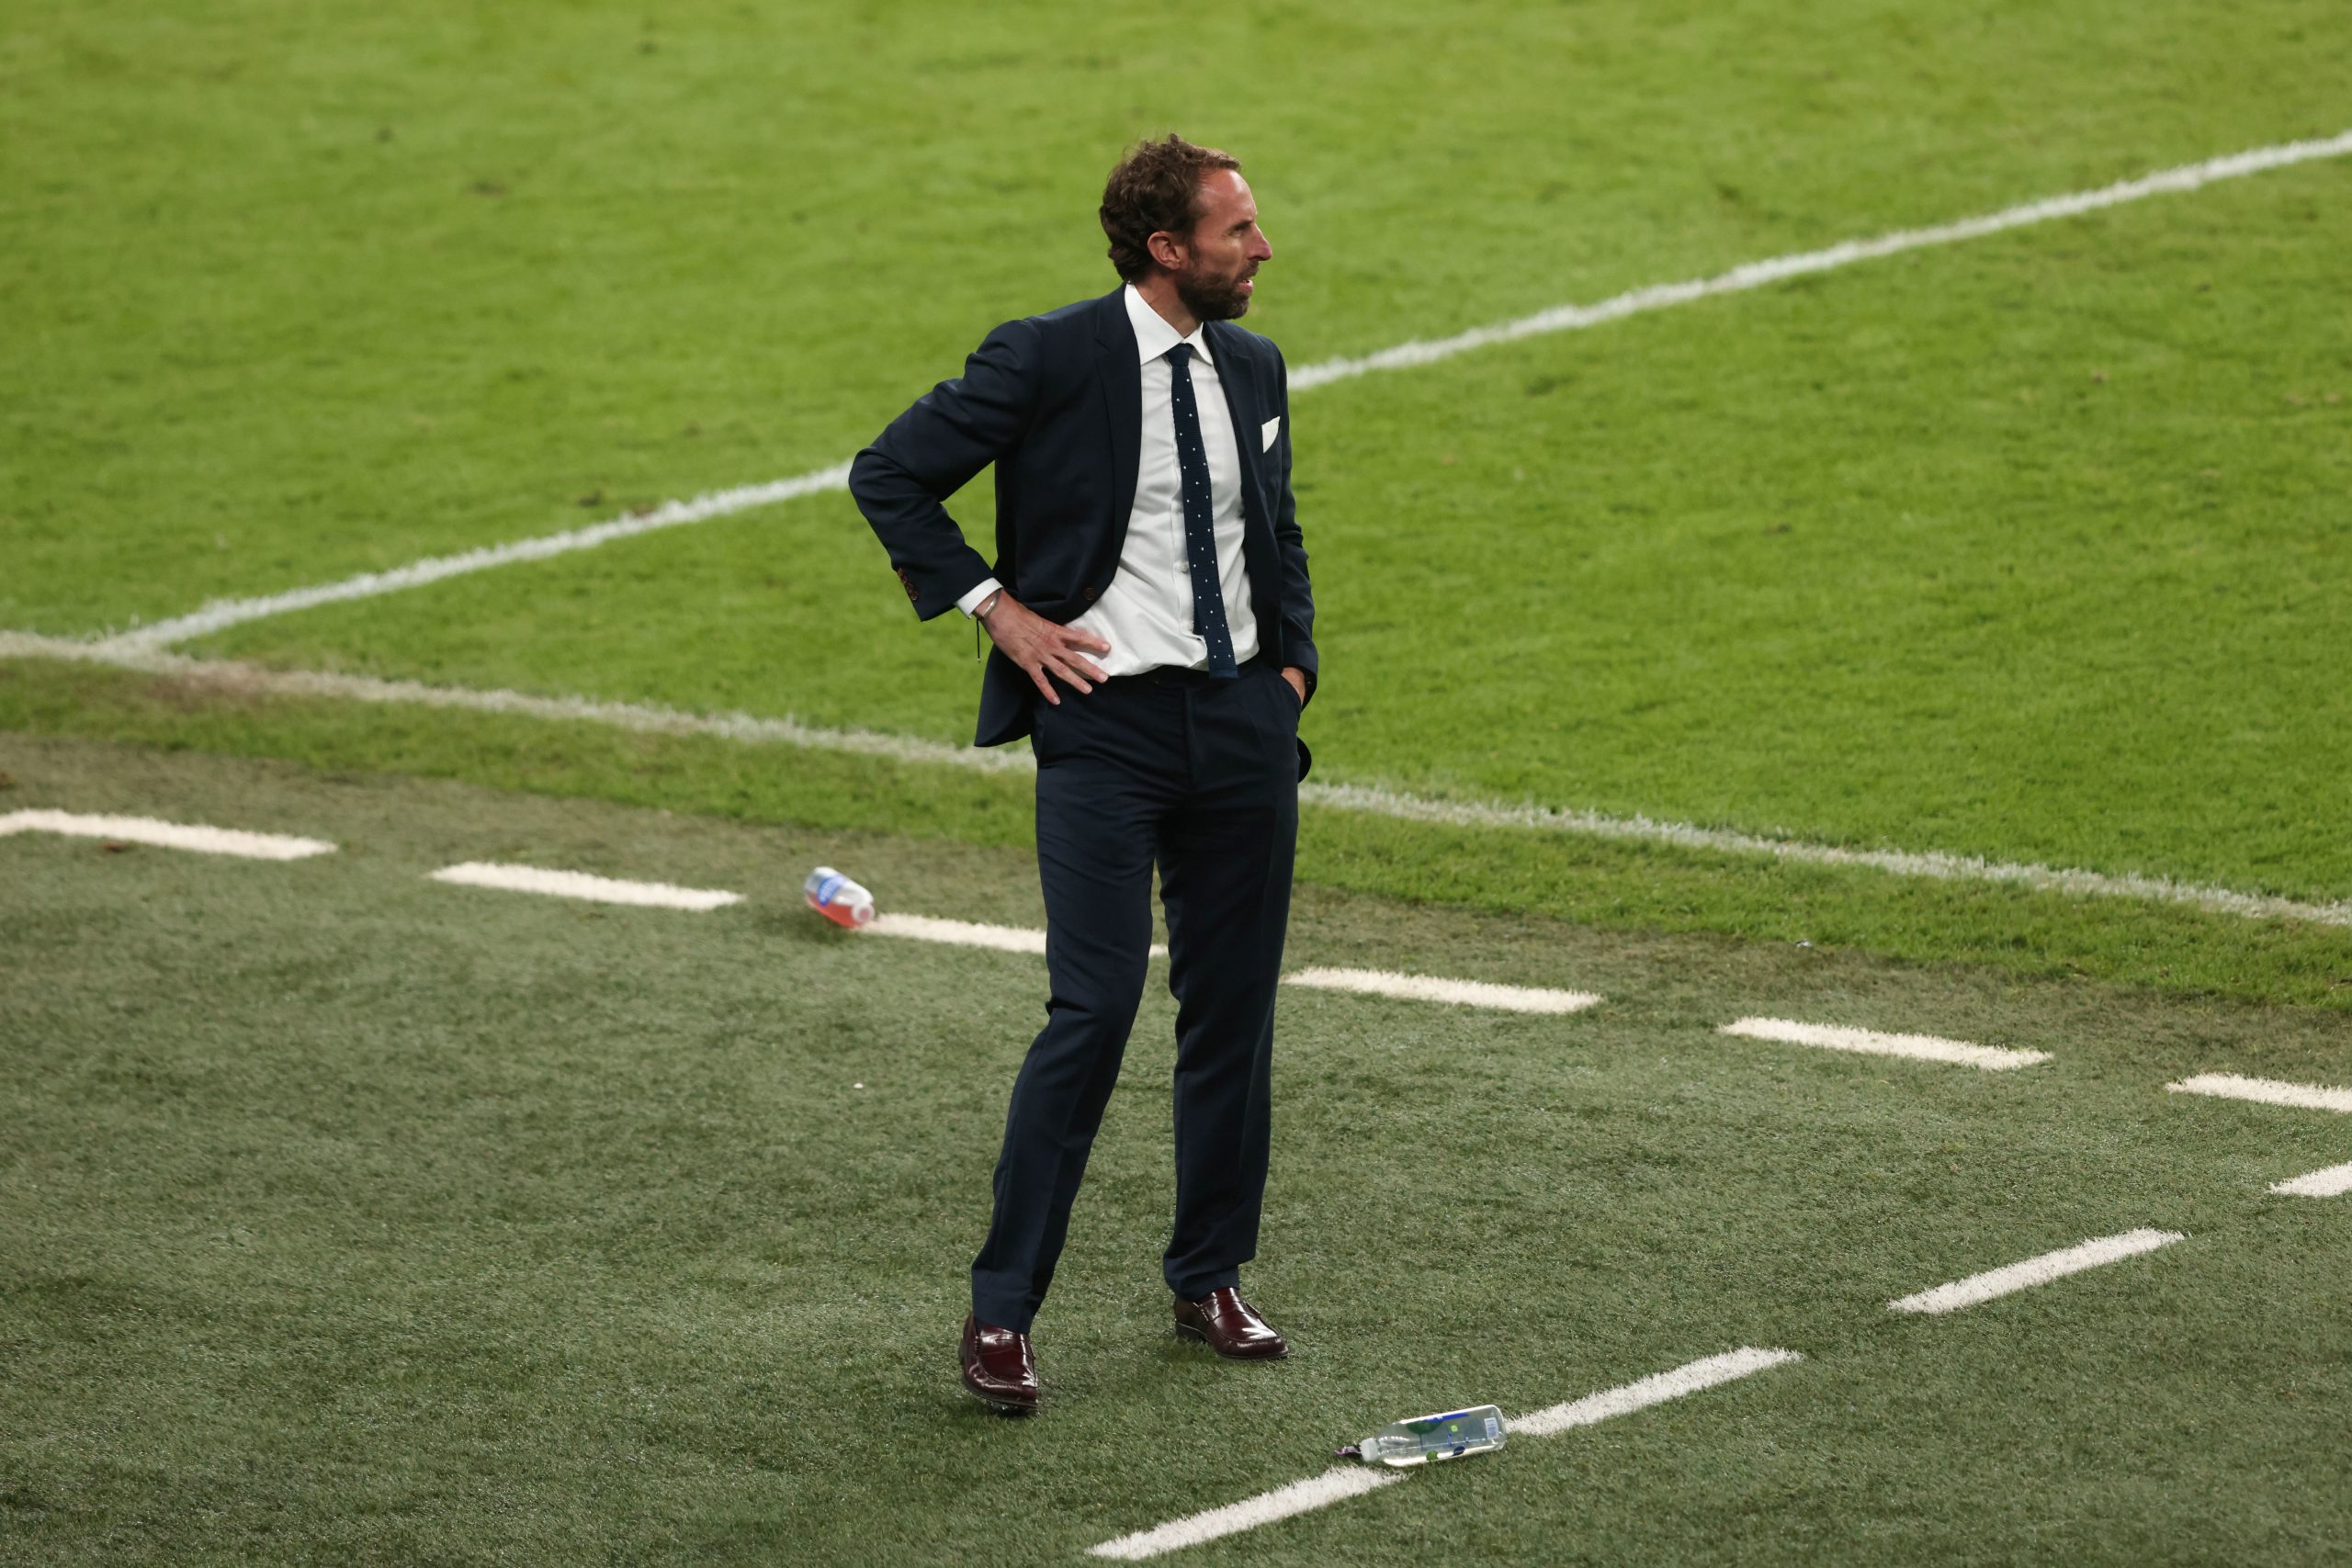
{"x": 1156, "y": 187}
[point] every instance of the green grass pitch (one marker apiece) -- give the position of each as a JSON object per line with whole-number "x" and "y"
{"x": 344, "y": 1216}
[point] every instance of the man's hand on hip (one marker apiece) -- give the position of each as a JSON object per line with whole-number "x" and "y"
{"x": 1042, "y": 646}
{"x": 1297, "y": 679}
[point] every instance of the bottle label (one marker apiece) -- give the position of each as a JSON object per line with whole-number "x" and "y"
{"x": 831, "y": 886}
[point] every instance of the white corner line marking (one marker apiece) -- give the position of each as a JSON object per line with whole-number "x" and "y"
{"x": 1920, "y": 1047}
{"x": 2035, "y": 1272}
{"x": 1363, "y": 799}
{"x": 1354, "y": 1479}
{"x": 221, "y": 613}
{"x": 581, "y": 884}
{"x": 1430, "y": 989}
{"x": 2335, "y": 1180}
{"x": 2268, "y": 1091}
{"x": 968, "y": 934}
{"x": 167, "y": 835}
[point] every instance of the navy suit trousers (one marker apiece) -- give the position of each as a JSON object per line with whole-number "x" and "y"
{"x": 1198, "y": 777}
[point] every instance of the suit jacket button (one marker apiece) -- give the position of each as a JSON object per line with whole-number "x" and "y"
{"x": 1091, "y": 594}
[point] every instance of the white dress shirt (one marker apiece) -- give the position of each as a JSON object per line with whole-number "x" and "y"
{"x": 1146, "y": 615}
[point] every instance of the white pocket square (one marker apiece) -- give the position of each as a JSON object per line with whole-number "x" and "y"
{"x": 1268, "y": 431}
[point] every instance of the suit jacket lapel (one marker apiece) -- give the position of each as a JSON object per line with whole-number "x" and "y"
{"x": 1234, "y": 373}
{"x": 1122, "y": 379}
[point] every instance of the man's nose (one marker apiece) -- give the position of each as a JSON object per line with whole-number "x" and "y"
{"x": 1264, "y": 250}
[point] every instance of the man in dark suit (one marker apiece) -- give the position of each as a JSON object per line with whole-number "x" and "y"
{"x": 1154, "y": 634}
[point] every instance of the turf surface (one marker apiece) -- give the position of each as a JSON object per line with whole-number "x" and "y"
{"x": 2028, "y": 550}
{"x": 2024, "y": 548}
{"x": 1497, "y": 871}
{"x": 348, "y": 1216}
{"x": 300, "y": 292}
{"x": 352, "y": 1215}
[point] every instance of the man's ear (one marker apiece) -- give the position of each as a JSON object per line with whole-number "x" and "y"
{"x": 1165, "y": 249}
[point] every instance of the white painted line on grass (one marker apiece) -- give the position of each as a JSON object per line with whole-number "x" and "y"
{"x": 221, "y": 613}
{"x": 2035, "y": 1272}
{"x": 1920, "y": 1047}
{"x": 1430, "y": 989}
{"x": 967, "y": 933}
{"x": 2268, "y": 1091}
{"x": 167, "y": 835}
{"x": 1298, "y": 1497}
{"x": 1933, "y": 864}
{"x": 232, "y": 677}
{"x": 2335, "y": 1180}
{"x": 959, "y": 934}
{"x": 1656, "y": 1389}
{"x": 1756, "y": 274}
{"x": 1354, "y": 1479}
{"x": 581, "y": 884}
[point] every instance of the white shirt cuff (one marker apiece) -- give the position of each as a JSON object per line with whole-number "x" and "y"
{"x": 977, "y": 596}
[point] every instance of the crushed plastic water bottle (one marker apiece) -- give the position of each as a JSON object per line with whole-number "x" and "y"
{"x": 1427, "y": 1437}
{"x": 838, "y": 898}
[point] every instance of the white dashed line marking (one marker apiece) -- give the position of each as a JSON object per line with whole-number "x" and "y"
{"x": 167, "y": 835}
{"x": 1354, "y": 1479}
{"x": 2034, "y": 1271}
{"x": 580, "y": 885}
{"x": 968, "y": 934}
{"x": 2267, "y": 1091}
{"x": 1919, "y": 1047}
{"x": 1432, "y": 989}
{"x": 2335, "y": 1180}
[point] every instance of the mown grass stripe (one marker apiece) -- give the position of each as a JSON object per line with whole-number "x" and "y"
{"x": 232, "y": 677}
{"x": 221, "y": 613}
{"x": 2267, "y": 1091}
{"x": 1434, "y": 989}
{"x": 1918, "y": 1047}
{"x": 1354, "y": 1479}
{"x": 192, "y": 836}
{"x": 2032, "y": 1271}
{"x": 583, "y": 886}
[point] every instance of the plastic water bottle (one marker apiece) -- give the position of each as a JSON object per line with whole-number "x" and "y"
{"x": 1427, "y": 1437}
{"x": 838, "y": 898}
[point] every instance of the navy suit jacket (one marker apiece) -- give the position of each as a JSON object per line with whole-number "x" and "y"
{"x": 1055, "y": 402}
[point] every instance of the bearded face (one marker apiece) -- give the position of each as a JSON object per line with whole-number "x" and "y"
{"x": 1216, "y": 297}
{"x": 1221, "y": 257}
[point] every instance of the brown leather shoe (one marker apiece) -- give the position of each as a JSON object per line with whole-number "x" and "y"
{"x": 999, "y": 1368}
{"x": 1230, "y": 1326}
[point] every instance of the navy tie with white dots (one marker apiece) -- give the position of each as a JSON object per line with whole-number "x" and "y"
{"x": 1200, "y": 516}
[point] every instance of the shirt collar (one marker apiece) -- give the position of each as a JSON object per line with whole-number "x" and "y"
{"x": 1154, "y": 336}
